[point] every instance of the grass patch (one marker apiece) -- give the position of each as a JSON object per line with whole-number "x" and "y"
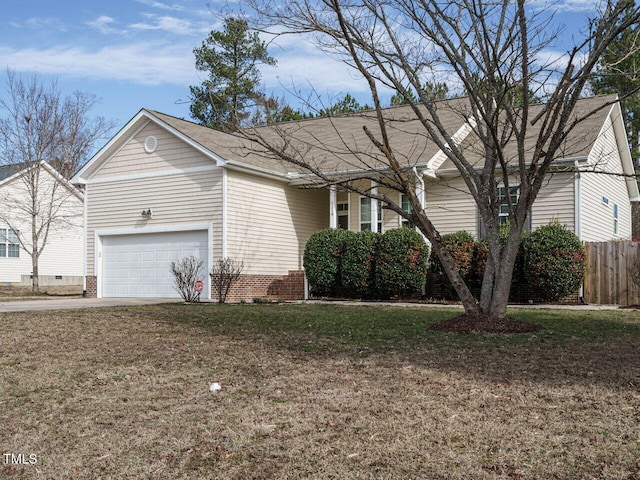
{"x": 317, "y": 391}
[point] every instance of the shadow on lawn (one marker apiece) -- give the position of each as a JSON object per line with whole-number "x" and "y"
{"x": 573, "y": 346}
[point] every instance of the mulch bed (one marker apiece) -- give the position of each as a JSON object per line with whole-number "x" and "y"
{"x": 485, "y": 324}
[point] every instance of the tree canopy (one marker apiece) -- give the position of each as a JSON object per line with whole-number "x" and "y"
{"x": 39, "y": 127}
{"x": 619, "y": 72}
{"x": 230, "y": 57}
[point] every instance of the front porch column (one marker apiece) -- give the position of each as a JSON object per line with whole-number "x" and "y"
{"x": 333, "y": 207}
{"x": 374, "y": 207}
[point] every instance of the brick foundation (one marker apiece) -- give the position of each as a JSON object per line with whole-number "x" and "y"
{"x": 274, "y": 287}
{"x": 248, "y": 287}
{"x": 92, "y": 287}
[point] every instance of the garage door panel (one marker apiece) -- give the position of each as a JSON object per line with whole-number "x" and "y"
{"x": 138, "y": 265}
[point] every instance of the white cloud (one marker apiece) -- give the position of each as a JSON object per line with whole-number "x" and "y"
{"x": 169, "y": 24}
{"x": 161, "y": 6}
{"x": 566, "y": 5}
{"x": 39, "y": 23}
{"x": 143, "y": 63}
{"x": 103, "y": 24}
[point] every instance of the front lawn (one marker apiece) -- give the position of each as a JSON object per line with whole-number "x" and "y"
{"x": 316, "y": 391}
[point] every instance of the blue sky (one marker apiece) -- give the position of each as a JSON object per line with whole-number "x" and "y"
{"x": 139, "y": 53}
{"x": 136, "y": 53}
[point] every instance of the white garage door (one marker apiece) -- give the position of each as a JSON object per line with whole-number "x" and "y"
{"x": 138, "y": 265}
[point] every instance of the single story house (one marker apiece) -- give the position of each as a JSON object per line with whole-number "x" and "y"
{"x": 163, "y": 188}
{"x": 57, "y": 203}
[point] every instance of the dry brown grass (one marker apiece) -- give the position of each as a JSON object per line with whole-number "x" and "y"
{"x": 8, "y": 293}
{"x": 123, "y": 393}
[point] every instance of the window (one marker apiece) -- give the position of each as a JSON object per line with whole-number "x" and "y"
{"x": 605, "y": 201}
{"x": 9, "y": 245}
{"x": 503, "y": 201}
{"x": 365, "y": 214}
{"x": 615, "y": 219}
{"x": 406, "y": 206}
{"x": 343, "y": 215}
{"x": 503, "y": 209}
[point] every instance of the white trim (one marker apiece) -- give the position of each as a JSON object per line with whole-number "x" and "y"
{"x": 333, "y": 207}
{"x": 85, "y": 233}
{"x": 225, "y": 190}
{"x": 440, "y": 157}
{"x": 374, "y": 208}
{"x": 162, "y": 173}
{"x": 107, "y": 232}
{"x": 52, "y": 171}
{"x": 577, "y": 204}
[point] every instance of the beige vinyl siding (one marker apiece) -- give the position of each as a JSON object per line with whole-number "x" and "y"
{"x": 450, "y": 206}
{"x": 555, "y": 201}
{"x": 181, "y": 199}
{"x": 170, "y": 154}
{"x": 269, "y": 222}
{"x": 597, "y": 218}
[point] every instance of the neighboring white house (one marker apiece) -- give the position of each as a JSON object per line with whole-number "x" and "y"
{"x": 61, "y": 261}
{"x": 164, "y": 188}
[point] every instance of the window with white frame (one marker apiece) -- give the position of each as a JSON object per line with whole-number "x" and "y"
{"x": 9, "y": 245}
{"x": 406, "y": 206}
{"x": 343, "y": 215}
{"x": 503, "y": 201}
{"x": 365, "y": 214}
{"x": 615, "y": 219}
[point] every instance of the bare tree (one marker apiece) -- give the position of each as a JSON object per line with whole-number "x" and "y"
{"x": 38, "y": 129}
{"x": 492, "y": 51}
{"x": 224, "y": 274}
{"x": 186, "y": 272}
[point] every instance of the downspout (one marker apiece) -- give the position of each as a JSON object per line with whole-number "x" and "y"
{"x": 224, "y": 213}
{"x": 577, "y": 217}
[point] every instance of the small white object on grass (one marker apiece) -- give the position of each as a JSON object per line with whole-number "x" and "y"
{"x": 214, "y": 387}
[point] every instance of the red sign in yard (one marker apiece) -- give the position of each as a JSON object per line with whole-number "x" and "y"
{"x": 198, "y": 285}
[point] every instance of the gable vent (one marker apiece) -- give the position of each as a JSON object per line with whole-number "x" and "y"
{"x": 150, "y": 144}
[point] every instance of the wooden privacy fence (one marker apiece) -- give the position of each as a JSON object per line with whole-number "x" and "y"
{"x": 608, "y": 276}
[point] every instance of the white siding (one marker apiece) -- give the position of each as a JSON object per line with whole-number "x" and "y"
{"x": 62, "y": 253}
{"x": 269, "y": 222}
{"x": 555, "y": 201}
{"x": 597, "y": 218}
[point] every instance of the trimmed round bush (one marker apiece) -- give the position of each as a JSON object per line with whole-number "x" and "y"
{"x": 554, "y": 262}
{"x": 357, "y": 264}
{"x": 401, "y": 263}
{"x": 322, "y": 260}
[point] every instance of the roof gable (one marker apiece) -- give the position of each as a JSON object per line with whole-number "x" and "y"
{"x": 9, "y": 173}
{"x": 130, "y": 130}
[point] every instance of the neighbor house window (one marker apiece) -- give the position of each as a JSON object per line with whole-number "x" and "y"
{"x": 503, "y": 201}
{"x": 343, "y": 215}
{"x": 9, "y": 246}
{"x": 406, "y": 206}
{"x": 365, "y": 214}
{"x": 615, "y": 219}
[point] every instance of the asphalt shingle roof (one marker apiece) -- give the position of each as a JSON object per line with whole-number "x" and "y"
{"x": 341, "y": 143}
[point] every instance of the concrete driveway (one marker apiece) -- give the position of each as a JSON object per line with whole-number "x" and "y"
{"x": 73, "y": 303}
